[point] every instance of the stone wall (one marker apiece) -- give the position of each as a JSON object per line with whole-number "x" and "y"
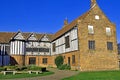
{"x": 39, "y": 61}
{"x": 100, "y": 58}
{"x": 17, "y": 60}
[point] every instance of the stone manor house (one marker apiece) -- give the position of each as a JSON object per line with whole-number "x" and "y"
{"x": 87, "y": 43}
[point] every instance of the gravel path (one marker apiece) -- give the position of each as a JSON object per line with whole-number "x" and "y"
{"x": 58, "y": 75}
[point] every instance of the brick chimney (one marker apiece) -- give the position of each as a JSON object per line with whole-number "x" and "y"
{"x": 65, "y": 22}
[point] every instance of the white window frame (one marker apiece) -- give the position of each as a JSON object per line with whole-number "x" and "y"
{"x": 90, "y": 29}
{"x": 97, "y": 17}
{"x": 108, "y": 31}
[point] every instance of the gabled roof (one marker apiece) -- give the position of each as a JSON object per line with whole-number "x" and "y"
{"x": 69, "y": 26}
{"x": 39, "y": 36}
{"x": 49, "y": 36}
{"x": 29, "y": 35}
{"x": 16, "y": 35}
{"x": 76, "y": 22}
{"x": 5, "y": 37}
{"x": 26, "y": 35}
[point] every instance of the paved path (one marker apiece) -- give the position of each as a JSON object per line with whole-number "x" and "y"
{"x": 58, "y": 75}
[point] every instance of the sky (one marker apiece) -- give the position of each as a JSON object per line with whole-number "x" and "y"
{"x": 47, "y": 16}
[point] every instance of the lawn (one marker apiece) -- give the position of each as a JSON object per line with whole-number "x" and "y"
{"x": 99, "y": 75}
{"x": 23, "y": 75}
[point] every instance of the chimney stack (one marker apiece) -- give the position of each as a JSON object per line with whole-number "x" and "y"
{"x": 65, "y": 22}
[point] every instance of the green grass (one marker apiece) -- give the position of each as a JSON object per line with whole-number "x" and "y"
{"x": 23, "y": 75}
{"x": 99, "y": 75}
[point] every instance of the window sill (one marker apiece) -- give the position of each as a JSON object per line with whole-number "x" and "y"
{"x": 110, "y": 50}
{"x": 108, "y": 35}
{"x": 90, "y": 33}
{"x": 91, "y": 50}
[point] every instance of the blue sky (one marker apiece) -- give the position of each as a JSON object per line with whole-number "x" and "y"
{"x": 47, "y": 16}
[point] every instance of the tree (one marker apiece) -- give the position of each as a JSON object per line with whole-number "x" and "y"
{"x": 59, "y": 61}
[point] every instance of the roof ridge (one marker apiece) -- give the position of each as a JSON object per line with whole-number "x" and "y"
{"x": 70, "y": 25}
{"x": 8, "y": 32}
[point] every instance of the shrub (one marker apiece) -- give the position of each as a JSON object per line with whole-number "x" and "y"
{"x": 34, "y": 68}
{"x": 67, "y": 67}
{"x": 10, "y": 67}
{"x": 64, "y": 67}
{"x": 21, "y": 68}
{"x": 2, "y": 69}
{"x": 59, "y": 61}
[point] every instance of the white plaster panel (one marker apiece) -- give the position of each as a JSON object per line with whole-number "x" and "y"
{"x": 19, "y": 36}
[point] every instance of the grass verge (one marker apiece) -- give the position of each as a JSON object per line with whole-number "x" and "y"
{"x": 23, "y": 75}
{"x": 98, "y": 75}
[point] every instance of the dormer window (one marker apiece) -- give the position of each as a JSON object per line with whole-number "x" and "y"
{"x": 108, "y": 31}
{"x": 97, "y": 17}
{"x": 90, "y": 29}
